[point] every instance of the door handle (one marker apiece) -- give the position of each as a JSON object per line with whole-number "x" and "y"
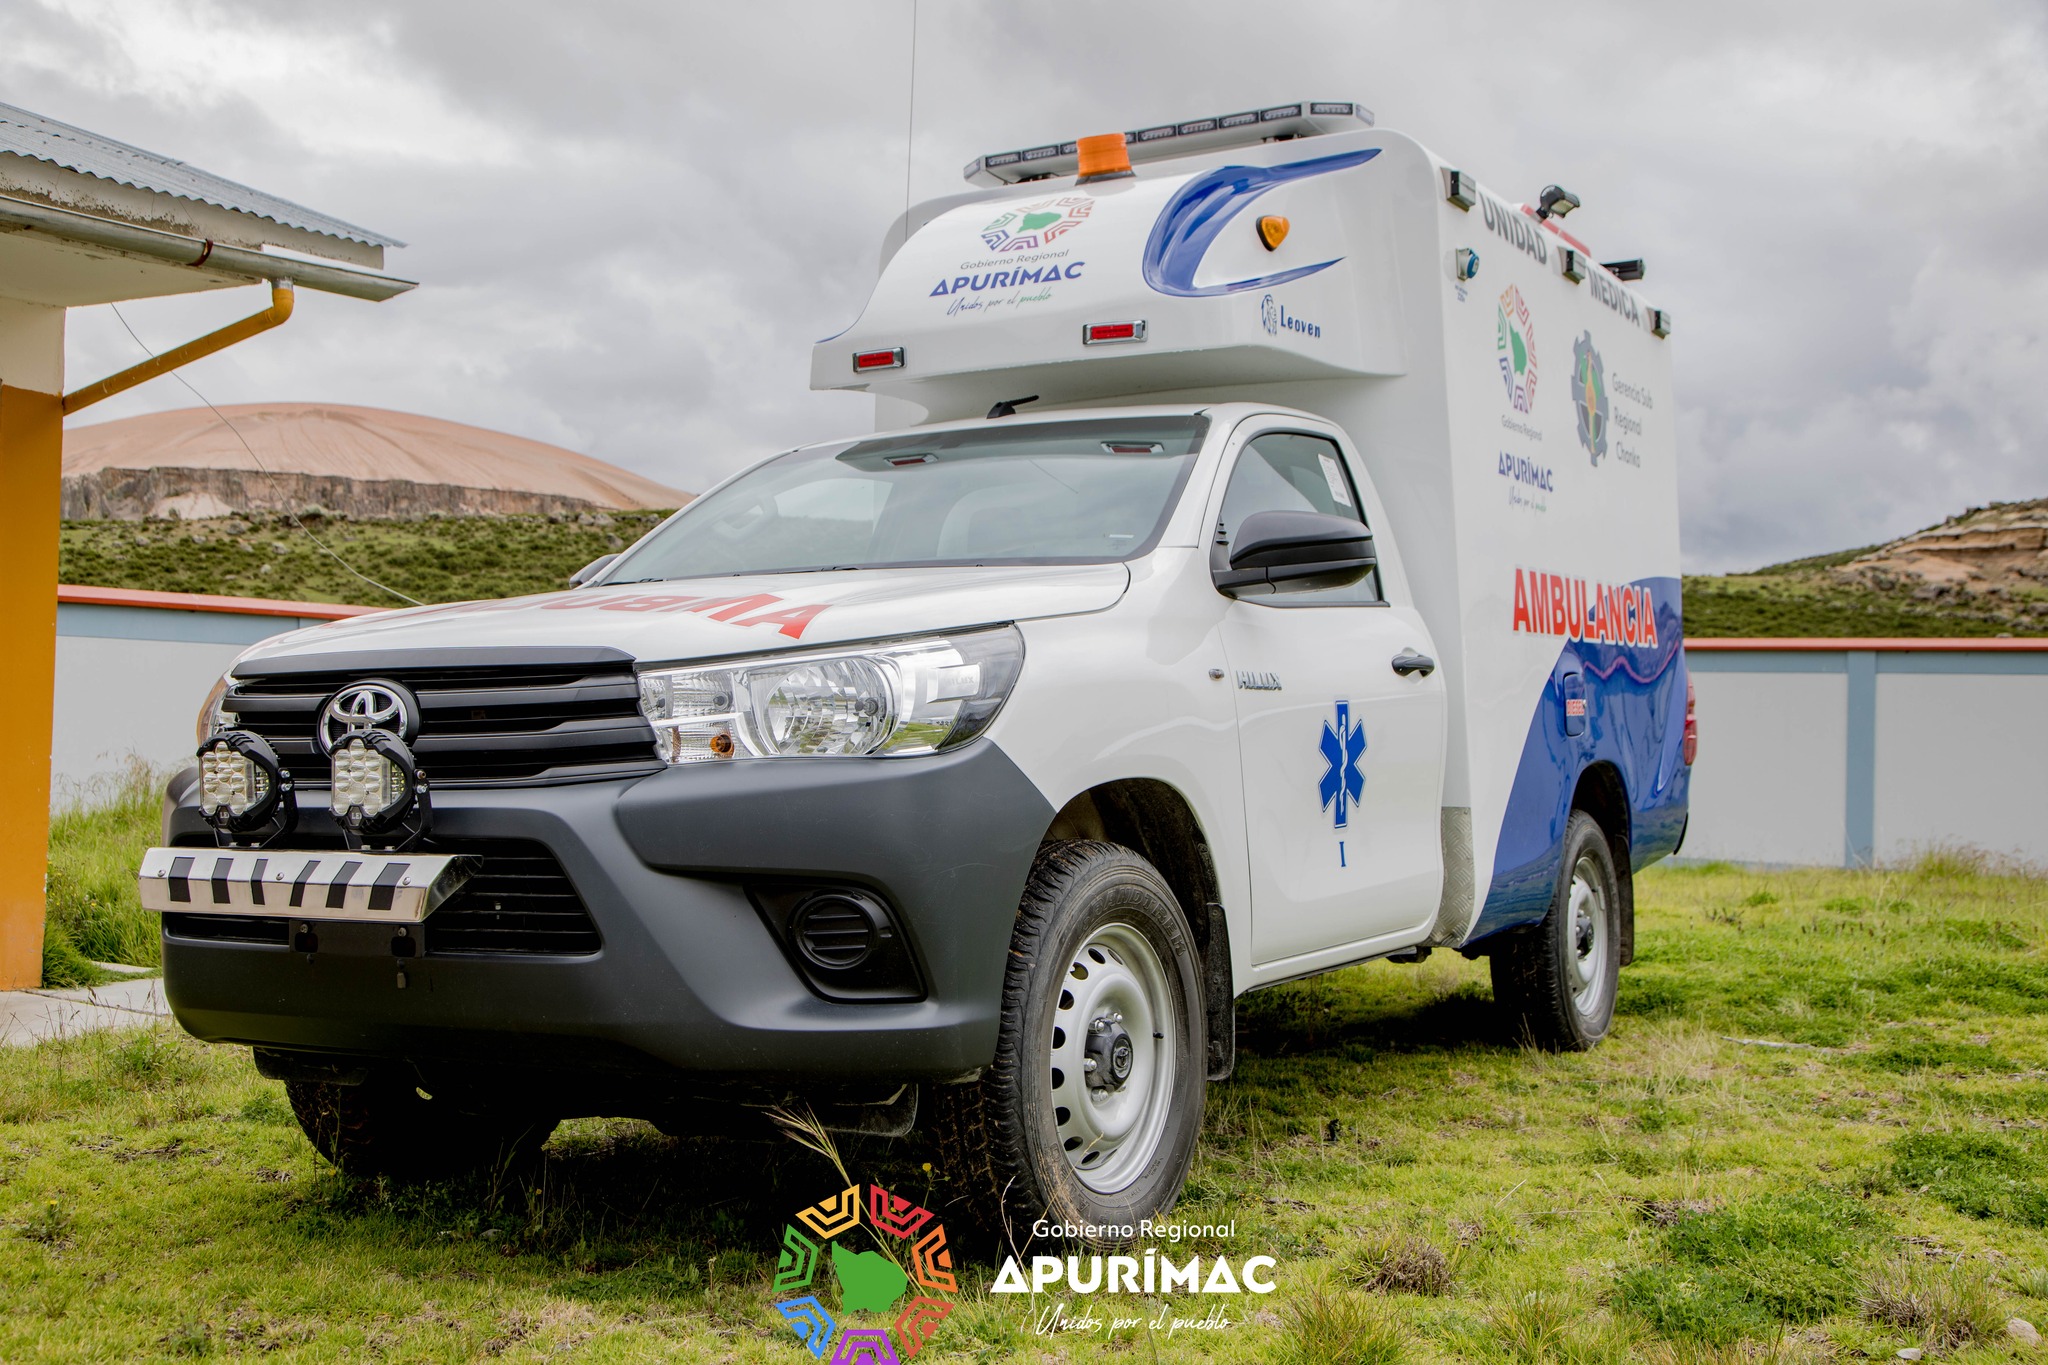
{"x": 1408, "y": 661}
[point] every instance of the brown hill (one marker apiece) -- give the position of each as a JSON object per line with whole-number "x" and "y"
{"x": 1997, "y": 553}
{"x": 359, "y": 462}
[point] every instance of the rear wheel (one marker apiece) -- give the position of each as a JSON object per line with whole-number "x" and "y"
{"x": 1092, "y": 1108}
{"x": 386, "y": 1127}
{"x": 1556, "y": 981}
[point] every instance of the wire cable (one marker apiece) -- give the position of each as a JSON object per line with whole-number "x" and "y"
{"x": 910, "y": 123}
{"x": 265, "y": 470}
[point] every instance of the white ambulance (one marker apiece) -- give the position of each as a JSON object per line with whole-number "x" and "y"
{"x": 1271, "y": 565}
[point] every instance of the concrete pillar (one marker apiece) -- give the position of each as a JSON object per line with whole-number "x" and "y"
{"x": 31, "y": 471}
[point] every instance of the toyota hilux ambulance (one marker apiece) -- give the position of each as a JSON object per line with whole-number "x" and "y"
{"x": 1270, "y": 564}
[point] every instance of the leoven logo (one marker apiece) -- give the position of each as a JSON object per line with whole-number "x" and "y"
{"x": 1589, "y": 396}
{"x": 1031, "y": 226}
{"x": 1277, "y": 320}
{"x": 374, "y": 705}
{"x": 1515, "y": 345}
{"x": 1343, "y": 781}
{"x": 870, "y": 1282}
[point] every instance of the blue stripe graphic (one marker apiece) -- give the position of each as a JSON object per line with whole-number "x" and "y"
{"x": 1202, "y": 208}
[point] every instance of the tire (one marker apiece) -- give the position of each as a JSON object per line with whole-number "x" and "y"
{"x": 385, "y": 1127}
{"x": 1100, "y": 945}
{"x": 1556, "y": 981}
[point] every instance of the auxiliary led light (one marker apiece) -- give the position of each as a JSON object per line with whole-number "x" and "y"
{"x": 375, "y": 782}
{"x": 241, "y": 782}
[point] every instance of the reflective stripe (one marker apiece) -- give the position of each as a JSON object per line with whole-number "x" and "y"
{"x": 337, "y": 890}
{"x": 386, "y": 884}
{"x": 180, "y": 883}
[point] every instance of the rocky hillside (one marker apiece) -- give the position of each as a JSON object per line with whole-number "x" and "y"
{"x": 1983, "y": 572}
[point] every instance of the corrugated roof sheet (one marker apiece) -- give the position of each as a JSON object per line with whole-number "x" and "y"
{"x": 45, "y": 139}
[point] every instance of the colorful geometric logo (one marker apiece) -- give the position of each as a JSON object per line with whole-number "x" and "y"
{"x": 1031, "y": 226}
{"x": 1343, "y": 782}
{"x": 1515, "y": 340}
{"x": 869, "y": 1281}
{"x": 1589, "y": 396}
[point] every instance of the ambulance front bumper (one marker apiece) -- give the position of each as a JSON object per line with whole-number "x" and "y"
{"x": 682, "y": 979}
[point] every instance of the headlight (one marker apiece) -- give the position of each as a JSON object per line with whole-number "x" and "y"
{"x": 241, "y": 783}
{"x": 914, "y": 697}
{"x": 212, "y": 718}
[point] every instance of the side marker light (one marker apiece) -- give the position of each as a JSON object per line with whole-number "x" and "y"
{"x": 1100, "y": 333}
{"x": 1272, "y": 231}
{"x": 864, "y": 361}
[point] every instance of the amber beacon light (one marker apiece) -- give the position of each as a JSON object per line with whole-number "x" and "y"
{"x": 1102, "y": 157}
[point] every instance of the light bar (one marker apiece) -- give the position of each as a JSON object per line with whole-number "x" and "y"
{"x": 864, "y": 361}
{"x": 1660, "y": 322}
{"x": 1572, "y": 264}
{"x": 1105, "y": 333}
{"x": 1304, "y": 118}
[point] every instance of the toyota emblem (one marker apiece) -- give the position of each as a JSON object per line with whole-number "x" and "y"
{"x": 374, "y": 705}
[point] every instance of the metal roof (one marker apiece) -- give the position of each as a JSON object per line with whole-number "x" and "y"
{"x": 45, "y": 139}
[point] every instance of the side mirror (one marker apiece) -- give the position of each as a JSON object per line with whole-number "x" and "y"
{"x": 592, "y": 569}
{"x": 1294, "y": 552}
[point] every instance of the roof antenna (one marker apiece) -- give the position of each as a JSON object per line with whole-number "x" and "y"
{"x": 1008, "y": 407}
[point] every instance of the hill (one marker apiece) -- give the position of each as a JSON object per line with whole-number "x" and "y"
{"x": 359, "y": 462}
{"x": 1981, "y": 572}
{"x": 1972, "y": 575}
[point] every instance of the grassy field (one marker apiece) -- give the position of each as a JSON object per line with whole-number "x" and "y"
{"x": 1816, "y": 1134}
{"x": 453, "y": 559}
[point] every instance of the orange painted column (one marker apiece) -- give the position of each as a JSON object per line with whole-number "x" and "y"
{"x": 31, "y": 471}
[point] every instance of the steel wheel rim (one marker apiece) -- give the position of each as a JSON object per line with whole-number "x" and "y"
{"x": 1587, "y": 946}
{"x": 1109, "y": 1136}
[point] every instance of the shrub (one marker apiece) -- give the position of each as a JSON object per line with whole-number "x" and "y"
{"x": 1403, "y": 1265}
{"x": 1946, "y": 1306}
{"x": 1324, "y": 1326}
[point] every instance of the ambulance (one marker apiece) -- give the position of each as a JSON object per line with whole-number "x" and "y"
{"x": 1267, "y": 563}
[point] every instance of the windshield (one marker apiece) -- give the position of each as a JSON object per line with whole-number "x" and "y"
{"x": 1089, "y": 492}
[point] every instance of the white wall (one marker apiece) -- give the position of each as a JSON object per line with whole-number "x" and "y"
{"x": 1871, "y": 754}
{"x": 1767, "y": 786}
{"x": 1962, "y": 759}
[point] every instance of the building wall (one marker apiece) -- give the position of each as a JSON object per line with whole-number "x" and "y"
{"x": 1869, "y": 751}
{"x": 1811, "y": 753}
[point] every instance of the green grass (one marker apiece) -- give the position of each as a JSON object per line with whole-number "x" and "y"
{"x": 1686, "y": 1193}
{"x": 94, "y": 913}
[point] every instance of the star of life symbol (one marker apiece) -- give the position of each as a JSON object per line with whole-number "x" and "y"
{"x": 1343, "y": 784}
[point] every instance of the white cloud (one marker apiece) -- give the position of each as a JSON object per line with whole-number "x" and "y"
{"x": 633, "y": 219}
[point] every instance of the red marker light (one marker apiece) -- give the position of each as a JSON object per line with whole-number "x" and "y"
{"x": 1097, "y": 333}
{"x": 1691, "y": 745}
{"x": 863, "y": 361}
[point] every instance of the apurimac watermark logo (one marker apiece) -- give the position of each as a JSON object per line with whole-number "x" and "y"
{"x": 1031, "y": 226}
{"x": 1343, "y": 781}
{"x": 1515, "y": 344}
{"x": 1589, "y": 396}
{"x": 869, "y": 1281}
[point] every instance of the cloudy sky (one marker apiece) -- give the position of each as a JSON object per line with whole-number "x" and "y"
{"x": 630, "y": 220}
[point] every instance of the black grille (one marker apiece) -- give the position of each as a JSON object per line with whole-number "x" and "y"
{"x": 500, "y": 723}
{"x": 228, "y": 929}
{"x": 520, "y": 902}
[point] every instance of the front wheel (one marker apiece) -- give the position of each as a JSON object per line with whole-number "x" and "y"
{"x": 385, "y": 1127}
{"x": 1556, "y": 982}
{"x": 1092, "y": 1107}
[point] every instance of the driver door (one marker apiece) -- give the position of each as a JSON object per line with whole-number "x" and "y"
{"x": 1342, "y": 755}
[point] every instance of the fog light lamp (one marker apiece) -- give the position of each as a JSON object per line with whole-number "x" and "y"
{"x": 241, "y": 783}
{"x": 375, "y": 782}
